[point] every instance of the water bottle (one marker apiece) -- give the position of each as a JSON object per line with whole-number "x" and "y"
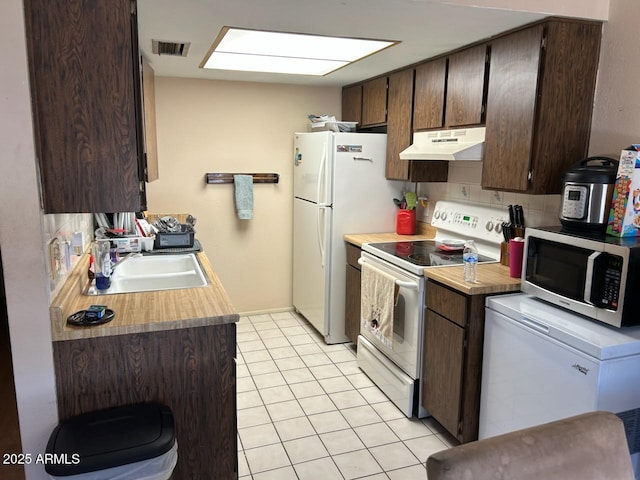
{"x": 470, "y": 261}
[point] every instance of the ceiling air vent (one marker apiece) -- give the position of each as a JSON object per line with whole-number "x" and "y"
{"x": 176, "y": 49}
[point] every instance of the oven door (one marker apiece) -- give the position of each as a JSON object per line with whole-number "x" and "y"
{"x": 406, "y": 347}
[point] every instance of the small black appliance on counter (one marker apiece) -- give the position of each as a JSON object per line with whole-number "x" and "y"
{"x": 587, "y": 192}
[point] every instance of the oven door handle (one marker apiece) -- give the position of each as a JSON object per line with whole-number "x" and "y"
{"x": 400, "y": 283}
{"x": 586, "y": 296}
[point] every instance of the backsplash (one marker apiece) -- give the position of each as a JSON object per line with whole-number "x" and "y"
{"x": 464, "y": 186}
{"x": 62, "y": 226}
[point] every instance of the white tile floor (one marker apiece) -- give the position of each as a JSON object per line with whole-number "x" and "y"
{"x": 307, "y": 412}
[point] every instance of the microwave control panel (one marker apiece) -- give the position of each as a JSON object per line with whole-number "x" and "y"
{"x": 607, "y": 277}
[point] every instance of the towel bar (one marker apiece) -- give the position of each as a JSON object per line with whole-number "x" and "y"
{"x": 228, "y": 177}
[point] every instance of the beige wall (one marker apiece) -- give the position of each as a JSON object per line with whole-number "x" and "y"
{"x": 616, "y": 114}
{"x": 21, "y": 240}
{"x": 216, "y": 126}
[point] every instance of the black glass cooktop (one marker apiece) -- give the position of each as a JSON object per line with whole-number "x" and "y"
{"x": 425, "y": 253}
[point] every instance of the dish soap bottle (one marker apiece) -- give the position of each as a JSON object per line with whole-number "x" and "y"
{"x": 470, "y": 261}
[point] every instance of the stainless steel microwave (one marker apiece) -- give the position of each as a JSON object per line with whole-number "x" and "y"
{"x": 591, "y": 274}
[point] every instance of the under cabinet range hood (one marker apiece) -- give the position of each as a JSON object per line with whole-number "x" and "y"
{"x": 458, "y": 144}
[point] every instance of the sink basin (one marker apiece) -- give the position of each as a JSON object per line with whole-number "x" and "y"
{"x": 155, "y": 272}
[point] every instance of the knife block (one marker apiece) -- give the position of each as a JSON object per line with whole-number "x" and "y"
{"x": 504, "y": 254}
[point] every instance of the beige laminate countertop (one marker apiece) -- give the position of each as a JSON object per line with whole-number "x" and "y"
{"x": 424, "y": 232}
{"x": 144, "y": 311}
{"x": 491, "y": 277}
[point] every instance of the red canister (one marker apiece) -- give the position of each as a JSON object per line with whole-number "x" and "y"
{"x": 406, "y": 222}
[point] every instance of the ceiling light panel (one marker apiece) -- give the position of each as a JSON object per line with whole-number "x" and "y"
{"x": 262, "y": 63}
{"x": 291, "y": 53}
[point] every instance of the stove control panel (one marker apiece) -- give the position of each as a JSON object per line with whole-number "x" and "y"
{"x": 469, "y": 221}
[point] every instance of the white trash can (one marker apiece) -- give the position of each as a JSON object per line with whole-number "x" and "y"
{"x": 134, "y": 442}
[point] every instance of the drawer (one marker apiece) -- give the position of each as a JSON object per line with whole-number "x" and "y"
{"x": 446, "y": 302}
{"x": 353, "y": 254}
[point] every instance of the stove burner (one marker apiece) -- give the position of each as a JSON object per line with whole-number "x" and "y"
{"x": 423, "y": 253}
{"x": 419, "y": 258}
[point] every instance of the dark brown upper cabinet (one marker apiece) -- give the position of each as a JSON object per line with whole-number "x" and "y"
{"x": 374, "y": 102}
{"x": 87, "y": 105}
{"x": 399, "y": 135}
{"x": 352, "y": 104}
{"x": 428, "y": 106}
{"x": 399, "y": 123}
{"x": 465, "y": 87}
{"x": 449, "y": 91}
{"x": 539, "y": 105}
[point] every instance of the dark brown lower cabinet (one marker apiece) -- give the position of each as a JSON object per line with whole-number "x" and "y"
{"x": 442, "y": 387}
{"x": 191, "y": 370}
{"x": 352, "y": 294}
{"x": 452, "y": 360}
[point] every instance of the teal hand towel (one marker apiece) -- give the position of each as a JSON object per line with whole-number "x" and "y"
{"x": 244, "y": 196}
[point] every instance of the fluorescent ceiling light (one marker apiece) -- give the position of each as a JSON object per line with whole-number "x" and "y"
{"x": 290, "y": 53}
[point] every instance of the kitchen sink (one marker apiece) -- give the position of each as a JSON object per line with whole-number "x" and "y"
{"x": 154, "y": 272}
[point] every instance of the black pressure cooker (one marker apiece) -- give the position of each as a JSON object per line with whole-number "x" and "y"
{"x": 587, "y": 192}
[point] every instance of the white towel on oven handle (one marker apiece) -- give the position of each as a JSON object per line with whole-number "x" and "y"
{"x": 379, "y": 294}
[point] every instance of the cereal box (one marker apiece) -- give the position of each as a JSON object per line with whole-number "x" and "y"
{"x": 624, "y": 216}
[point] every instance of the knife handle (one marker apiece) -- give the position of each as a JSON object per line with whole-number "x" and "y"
{"x": 512, "y": 216}
{"x": 505, "y": 231}
{"x": 519, "y": 212}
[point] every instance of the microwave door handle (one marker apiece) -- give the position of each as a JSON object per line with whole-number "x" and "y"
{"x": 589, "y": 276}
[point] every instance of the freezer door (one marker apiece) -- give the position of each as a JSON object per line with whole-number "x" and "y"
{"x": 312, "y": 167}
{"x": 311, "y": 250}
{"x": 529, "y": 378}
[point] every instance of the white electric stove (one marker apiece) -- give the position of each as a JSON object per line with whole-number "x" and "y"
{"x": 454, "y": 222}
{"x": 396, "y": 368}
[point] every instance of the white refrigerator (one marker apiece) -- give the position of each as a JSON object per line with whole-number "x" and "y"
{"x": 338, "y": 187}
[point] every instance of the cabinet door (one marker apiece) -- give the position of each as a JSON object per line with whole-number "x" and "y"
{"x": 191, "y": 370}
{"x": 352, "y": 304}
{"x": 465, "y": 87}
{"x": 442, "y": 370}
{"x": 511, "y": 104}
{"x": 399, "y": 123}
{"x": 81, "y": 60}
{"x": 428, "y": 104}
{"x": 374, "y": 102}
{"x": 565, "y": 101}
{"x": 149, "y": 117}
{"x": 352, "y": 104}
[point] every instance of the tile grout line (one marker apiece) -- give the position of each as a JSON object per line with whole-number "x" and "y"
{"x": 297, "y": 401}
{"x": 351, "y": 427}
{"x": 317, "y": 342}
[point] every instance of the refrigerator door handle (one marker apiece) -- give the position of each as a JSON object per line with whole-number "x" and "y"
{"x": 365, "y": 159}
{"x": 322, "y": 181}
{"x": 321, "y": 232}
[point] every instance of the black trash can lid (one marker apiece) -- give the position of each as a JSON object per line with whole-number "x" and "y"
{"x": 110, "y": 438}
